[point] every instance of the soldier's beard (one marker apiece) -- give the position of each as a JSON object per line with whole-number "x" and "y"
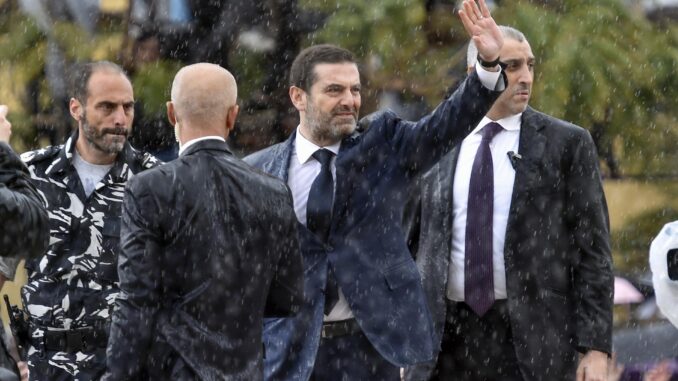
{"x": 107, "y": 140}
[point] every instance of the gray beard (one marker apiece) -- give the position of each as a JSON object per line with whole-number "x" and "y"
{"x": 96, "y": 140}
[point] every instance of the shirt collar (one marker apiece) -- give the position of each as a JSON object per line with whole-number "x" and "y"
{"x": 305, "y": 148}
{"x": 64, "y": 164}
{"x": 191, "y": 142}
{"x": 510, "y": 123}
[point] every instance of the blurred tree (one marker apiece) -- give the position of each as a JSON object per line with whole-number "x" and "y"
{"x": 610, "y": 70}
{"x": 632, "y": 242}
{"x": 600, "y": 65}
{"x": 27, "y": 39}
{"x": 401, "y": 44}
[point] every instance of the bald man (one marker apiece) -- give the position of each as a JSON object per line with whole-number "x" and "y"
{"x": 208, "y": 248}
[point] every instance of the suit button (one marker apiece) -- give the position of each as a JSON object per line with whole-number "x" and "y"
{"x": 329, "y": 248}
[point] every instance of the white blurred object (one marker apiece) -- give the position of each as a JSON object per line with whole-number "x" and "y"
{"x": 665, "y": 289}
{"x": 625, "y": 292}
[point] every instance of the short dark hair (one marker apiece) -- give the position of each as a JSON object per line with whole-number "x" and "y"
{"x": 82, "y": 72}
{"x": 302, "y": 73}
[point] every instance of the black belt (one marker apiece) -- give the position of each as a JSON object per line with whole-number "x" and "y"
{"x": 339, "y": 328}
{"x": 75, "y": 340}
{"x": 456, "y": 309}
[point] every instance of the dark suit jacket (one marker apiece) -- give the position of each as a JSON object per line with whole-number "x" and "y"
{"x": 25, "y": 228}
{"x": 367, "y": 248}
{"x": 557, "y": 253}
{"x": 207, "y": 245}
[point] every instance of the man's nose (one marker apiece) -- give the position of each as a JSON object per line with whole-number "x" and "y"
{"x": 120, "y": 116}
{"x": 526, "y": 75}
{"x": 348, "y": 99}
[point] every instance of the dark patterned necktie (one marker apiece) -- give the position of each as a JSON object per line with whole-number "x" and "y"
{"x": 478, "y": 273}
{"x": 319, "y": 215}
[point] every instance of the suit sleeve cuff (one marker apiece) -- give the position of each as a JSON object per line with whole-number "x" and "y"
{"x": 584, "y": 349}
{"x": 490, "y": 79}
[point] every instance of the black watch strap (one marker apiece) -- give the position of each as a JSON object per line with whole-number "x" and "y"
{"x": 490, "y": 64}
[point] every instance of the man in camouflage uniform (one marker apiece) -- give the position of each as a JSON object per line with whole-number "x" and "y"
{"x": 71, "y": 289}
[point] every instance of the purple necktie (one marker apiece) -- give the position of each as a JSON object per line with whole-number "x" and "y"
{"x": 478, "y": 274}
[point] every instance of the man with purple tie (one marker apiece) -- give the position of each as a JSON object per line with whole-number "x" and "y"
{"x": 514, "y": 247}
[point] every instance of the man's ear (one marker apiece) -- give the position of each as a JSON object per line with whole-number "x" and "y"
{"x": 171, "y": 116}
{"x": 298, "y": 97}
{"x": 76, "y": 109}
{"x": 231, "y": 116}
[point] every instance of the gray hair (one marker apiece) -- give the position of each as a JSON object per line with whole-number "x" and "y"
{"x": 81, "y": 74}
{"x": 506, "y": 31}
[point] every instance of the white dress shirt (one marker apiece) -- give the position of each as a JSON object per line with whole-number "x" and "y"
{"x": 504, "y": 177}
{"x": 304, "y": 169}
{"x": 193, "y": 141}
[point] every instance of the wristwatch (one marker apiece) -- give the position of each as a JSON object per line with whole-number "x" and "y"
{"x": 488, "y": 64}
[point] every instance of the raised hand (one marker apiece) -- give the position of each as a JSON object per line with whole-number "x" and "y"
{"x": 481, "y": 27}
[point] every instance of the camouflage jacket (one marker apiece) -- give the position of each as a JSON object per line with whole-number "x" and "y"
{"x": 75, "y": 283}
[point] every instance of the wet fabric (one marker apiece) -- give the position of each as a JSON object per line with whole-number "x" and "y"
{"x": 367, "y": 251}
{"x": 208, "y": 248}
{"x": 74, "y": 284}
{"x": 344, "y": 358}
{"x": 477, "y": 348}
{"x": 24, "y": 221}
{"x": 557, "y": 249}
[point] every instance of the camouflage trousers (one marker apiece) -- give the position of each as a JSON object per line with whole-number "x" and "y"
{"x": 48, "y": 365}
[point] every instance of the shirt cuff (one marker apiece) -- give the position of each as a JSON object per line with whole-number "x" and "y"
{"x": 490, "y": 79}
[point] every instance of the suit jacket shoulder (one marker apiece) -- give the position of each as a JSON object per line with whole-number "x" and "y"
{"x": 260, "y": 157}
{"x": 553, "y": 125}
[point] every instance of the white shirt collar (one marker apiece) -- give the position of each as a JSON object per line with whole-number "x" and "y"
{"x": 305, "y": 148}
{"x": 191, "y": 142}
{"x": 510, "y": 123}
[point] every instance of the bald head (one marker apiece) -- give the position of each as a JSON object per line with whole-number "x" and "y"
{"x": 202, "y": 95}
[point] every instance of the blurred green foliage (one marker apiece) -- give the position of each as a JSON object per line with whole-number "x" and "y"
{"x": 599, "y": 64}
{"x": 152, "y": 83}
{"x": 631, "y": 243}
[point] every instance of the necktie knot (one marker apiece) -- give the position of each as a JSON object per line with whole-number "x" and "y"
{"x": 324, "y": 156}
{"x": 491, "y": 130}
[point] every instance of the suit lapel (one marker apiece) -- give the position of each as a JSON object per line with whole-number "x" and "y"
{"x": 528, "y": 173}
{"x": 447, "y": 169}
{"x": 279, "y": 163}
{"x": 531, "y": 148}
{"x": 346, "y": 162}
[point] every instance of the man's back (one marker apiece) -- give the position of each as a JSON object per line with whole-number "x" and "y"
{"x": 220, "y": 247}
